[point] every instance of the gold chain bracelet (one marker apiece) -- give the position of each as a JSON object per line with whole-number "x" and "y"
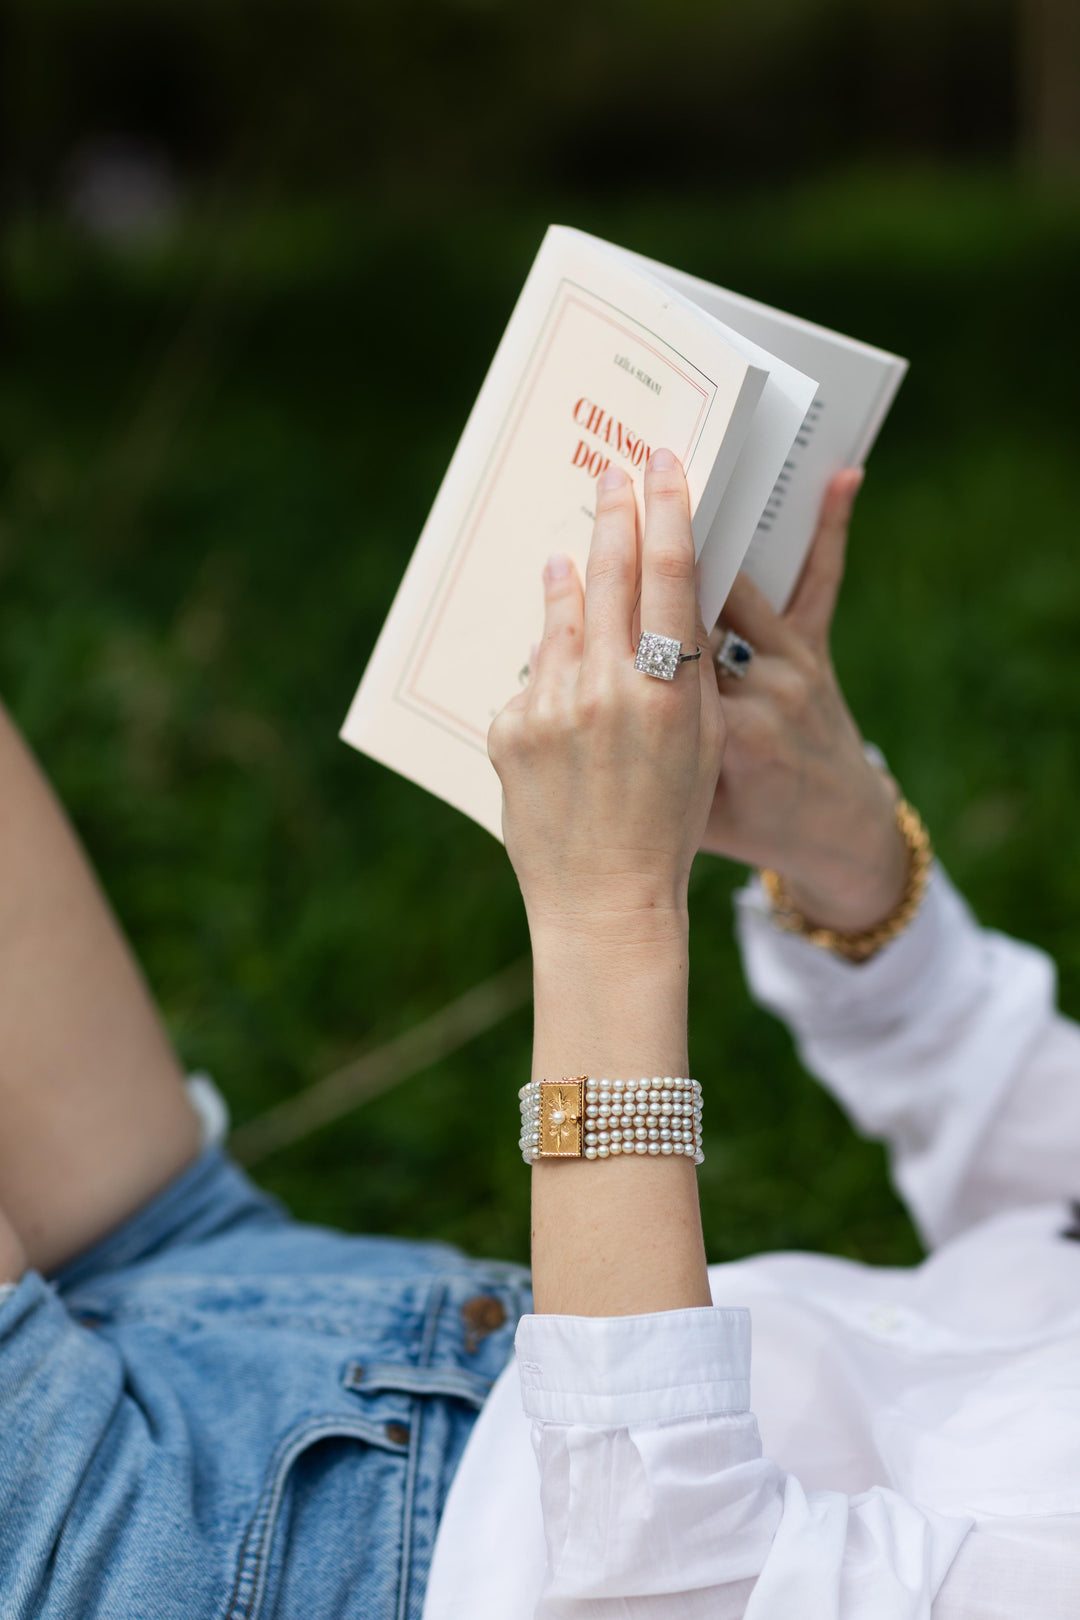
{"x": 860, "y": 946}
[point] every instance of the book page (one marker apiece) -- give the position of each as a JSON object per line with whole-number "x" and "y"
{"x": 788, "y": 396}
{"x": 856, "y": 384}
{"x": 599, "y": 365}
{"x": 783, "y": 405}
{"x": 466, "y": 658}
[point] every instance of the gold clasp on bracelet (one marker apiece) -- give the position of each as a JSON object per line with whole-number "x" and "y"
{"x": 562, "y": 1105}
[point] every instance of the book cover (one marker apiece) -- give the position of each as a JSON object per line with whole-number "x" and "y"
{"x": 599, "y": 363}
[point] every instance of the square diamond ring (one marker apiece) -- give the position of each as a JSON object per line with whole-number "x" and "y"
{"x": 658, "y": 656}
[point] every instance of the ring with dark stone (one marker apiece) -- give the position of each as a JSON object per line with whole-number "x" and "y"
{"x": 733, "y": 655}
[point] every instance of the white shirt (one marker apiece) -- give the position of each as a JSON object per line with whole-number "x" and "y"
{"x": 914, "y": 1447}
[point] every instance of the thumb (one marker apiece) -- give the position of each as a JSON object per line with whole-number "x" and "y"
{"x": 814, "y": 602}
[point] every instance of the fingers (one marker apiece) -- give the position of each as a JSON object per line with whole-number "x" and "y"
{"x": 611, "y": 574}
{"x": 751, "y": 615}
{"x": 559, "y": 653}
{"x": 705, "y": 666}
{"x": 668, "y": 583}
{"x": 812, "y": 605}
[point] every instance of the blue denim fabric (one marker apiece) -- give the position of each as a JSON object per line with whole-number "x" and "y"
{"x": 220, "y": 1413}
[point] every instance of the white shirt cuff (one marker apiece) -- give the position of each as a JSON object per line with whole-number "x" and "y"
{"x": 815, "y": 988}
{"x": 614, "y": 1371}
{"x": 211, "y": 1107}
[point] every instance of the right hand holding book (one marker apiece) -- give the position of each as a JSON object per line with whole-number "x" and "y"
{"x": 608, "y": 772}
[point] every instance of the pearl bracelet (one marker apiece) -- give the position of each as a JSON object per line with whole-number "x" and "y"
{"x": 583, "y": 1118}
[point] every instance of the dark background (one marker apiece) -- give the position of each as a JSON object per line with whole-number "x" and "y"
{"x": 254, "y": 262}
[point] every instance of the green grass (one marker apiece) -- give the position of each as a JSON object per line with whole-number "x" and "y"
{"x": 216, "y": 457}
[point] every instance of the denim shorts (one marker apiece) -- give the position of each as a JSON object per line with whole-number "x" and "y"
{"x": 221, "y": 1413}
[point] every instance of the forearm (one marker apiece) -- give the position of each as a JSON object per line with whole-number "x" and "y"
{"x": 621, "y": 1236}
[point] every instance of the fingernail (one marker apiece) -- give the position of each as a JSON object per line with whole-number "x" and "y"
{"x": 847, "y": 508}
{"x": 661, "y": 461}
{"x": 558, "y": 566}
{"x": 612, "y": 477}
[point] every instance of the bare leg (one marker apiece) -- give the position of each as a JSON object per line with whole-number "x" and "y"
{"x": 94, "y": 1118}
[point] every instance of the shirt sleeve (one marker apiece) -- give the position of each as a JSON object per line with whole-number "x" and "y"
{"x": 946, "y": 1045}
{"x": 658, "y": 1504}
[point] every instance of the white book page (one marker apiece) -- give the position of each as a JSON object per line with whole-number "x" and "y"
{"x": 781, "y": 411}
{"x": 598, "y": 363}
{"x": 856, "y": 384}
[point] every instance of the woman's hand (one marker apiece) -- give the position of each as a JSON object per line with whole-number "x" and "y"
{"x": 608, "y": 773}
{"x": 797, "y": 792}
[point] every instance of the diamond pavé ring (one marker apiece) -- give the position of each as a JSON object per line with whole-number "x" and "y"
{"x": 660, "y": 656}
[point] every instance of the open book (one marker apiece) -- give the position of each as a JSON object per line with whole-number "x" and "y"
{"x": 607, "y": 356}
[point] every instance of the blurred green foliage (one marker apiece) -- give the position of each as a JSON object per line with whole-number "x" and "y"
{"x": 447, "y": 99}
{"x": 216, "y": 456}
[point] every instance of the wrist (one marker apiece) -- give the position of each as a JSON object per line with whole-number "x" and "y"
{"x": 859, "y": 944}
{"x": 614, "y": 1007}
{"x": 855, "y": 901}
{"x": 860, "y": 881}
{"x": 644, "y": 934}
